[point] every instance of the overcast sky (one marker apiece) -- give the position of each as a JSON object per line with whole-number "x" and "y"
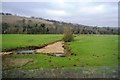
{"x": 86, "y": 13}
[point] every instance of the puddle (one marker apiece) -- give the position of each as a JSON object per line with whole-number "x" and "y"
{"x": 60, "y": 55}
{"x": 25, "y": 52}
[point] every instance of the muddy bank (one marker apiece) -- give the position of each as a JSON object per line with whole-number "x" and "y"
{"x": 52, "y": 48}
{"x": 4, "y": 53}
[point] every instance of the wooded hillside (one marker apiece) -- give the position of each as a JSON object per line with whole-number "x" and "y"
{"x": 34, "y": 25}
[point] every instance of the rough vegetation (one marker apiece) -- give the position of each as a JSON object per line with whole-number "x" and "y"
{"x": 68, "y": 35}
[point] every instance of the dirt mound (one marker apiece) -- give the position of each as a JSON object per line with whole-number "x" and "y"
{"x": 52, "y": 48}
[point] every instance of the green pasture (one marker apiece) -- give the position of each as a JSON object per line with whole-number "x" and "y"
{"x": 10, "y": 41}
{"x": 89, "y": 50}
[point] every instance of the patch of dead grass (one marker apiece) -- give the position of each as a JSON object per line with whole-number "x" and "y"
{"x": 9, "y": 63}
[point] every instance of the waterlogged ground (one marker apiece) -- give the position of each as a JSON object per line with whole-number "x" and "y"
{"x": 93, "y": 56}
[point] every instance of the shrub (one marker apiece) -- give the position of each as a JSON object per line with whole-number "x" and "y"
{"x": 68, "y": 34}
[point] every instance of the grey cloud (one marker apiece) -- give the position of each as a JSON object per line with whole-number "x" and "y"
{"x": 75, "y": 12}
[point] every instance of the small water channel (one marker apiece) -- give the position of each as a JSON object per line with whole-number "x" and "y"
{"x": 25, "y": 52}
{"x": 34, "y": 52}
{"x": 50, "y": 49}
{"x": 61, "y": 55}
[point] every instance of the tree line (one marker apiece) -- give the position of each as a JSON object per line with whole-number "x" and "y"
{"x": 30, "y": 27}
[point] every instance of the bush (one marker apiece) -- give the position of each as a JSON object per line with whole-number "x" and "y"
{"x": 68, "y": 34}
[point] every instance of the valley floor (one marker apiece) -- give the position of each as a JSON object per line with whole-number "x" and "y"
{"x": 88, "y": 51}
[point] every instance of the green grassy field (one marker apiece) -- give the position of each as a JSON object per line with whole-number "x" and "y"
{"x": 96, "y": 50}
{"x": 20, "y": 40}
{"x": 90, "y": 50}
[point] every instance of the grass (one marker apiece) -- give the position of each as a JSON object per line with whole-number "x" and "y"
{"x": 90, "y": 50}
{"x": 10, "y": 41}
{"x": 101, "y": 50}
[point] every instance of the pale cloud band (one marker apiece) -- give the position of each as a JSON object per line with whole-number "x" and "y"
{"x": 60, "y": 0}
{"x": 88, "y": 13}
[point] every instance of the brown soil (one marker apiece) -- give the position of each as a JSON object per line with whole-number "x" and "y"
{"x": 52, "y": 48}
{"x": 3, "y": 53}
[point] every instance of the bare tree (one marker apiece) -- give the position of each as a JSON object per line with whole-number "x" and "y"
{"x": 68, "y": 34}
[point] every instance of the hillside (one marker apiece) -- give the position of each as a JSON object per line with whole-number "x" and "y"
{"x": 34, "y": 25}
{"x": 12, "y": 19}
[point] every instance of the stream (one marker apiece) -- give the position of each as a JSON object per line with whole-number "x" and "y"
{"x": 34, "y": 52}
{"x": 55, "y": 49}
{"x": 25, "y": 52}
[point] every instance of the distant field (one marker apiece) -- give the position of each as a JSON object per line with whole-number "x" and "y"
{"x": 22, "y": 40}
{"x": 90, "y": 50}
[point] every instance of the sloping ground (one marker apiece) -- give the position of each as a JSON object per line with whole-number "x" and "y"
{"x": 52, "y": 48}
{"x": 12, "y": 19}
